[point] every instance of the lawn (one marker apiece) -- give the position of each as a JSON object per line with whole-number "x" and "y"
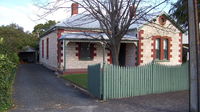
{"x": 79, "y": 79}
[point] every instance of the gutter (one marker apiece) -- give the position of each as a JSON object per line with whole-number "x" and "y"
{"x": 68, "y": 28}
{"x": 95, "y": 40}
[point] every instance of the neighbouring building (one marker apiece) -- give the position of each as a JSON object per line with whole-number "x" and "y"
{"x": 73, "y": 44}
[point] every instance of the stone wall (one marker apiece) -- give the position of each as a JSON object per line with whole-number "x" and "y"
{"x": 51, "y": 62}
{"x": 131, "y": 54}
{"x": 73, "y": 62}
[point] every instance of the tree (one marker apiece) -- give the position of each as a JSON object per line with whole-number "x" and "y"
{"x": 41, "y": 28}
{"x": 115, "y": 16}
{"x": 15, "y": 38}
{"x": 179, "y": 12}
{"x": 16, "y": 26}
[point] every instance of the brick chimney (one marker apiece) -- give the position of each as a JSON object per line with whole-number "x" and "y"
{"x": 74, "y": 8}
{"x": 132, "y": 11}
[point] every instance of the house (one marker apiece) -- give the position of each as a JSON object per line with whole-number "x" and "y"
{"x": 73, "y": 44}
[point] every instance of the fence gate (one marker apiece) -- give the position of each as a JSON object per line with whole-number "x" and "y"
{"x": 95, "y": 80}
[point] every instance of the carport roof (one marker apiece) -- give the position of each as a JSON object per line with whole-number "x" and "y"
{"x": 28, "y": 49}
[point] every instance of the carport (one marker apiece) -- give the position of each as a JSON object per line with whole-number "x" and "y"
{"x": 28, "y": 55}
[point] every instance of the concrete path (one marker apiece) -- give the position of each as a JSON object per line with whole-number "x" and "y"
{"x": 37, "y": 89}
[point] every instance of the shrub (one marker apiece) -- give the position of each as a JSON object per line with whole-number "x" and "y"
{"x": 12, "y": 39}
{"x": 7, "y": 75}
{"x": 8, "y": 62}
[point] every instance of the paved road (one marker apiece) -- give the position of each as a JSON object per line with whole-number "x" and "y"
{"x": 37, "y": 89}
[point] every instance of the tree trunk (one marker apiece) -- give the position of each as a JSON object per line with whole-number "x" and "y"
{"x": 115, "y": 53}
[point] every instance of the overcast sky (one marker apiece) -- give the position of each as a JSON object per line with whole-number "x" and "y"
{"x": 24, "y": 13}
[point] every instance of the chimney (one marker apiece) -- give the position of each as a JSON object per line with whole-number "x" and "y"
{"x": 74, "y": 8}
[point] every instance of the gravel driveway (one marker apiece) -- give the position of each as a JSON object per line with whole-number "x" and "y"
{"x": 37, "y": 89}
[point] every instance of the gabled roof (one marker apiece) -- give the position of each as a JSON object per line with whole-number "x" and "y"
{"x": 158, "y": 14}
{"x": 171, "y": 20}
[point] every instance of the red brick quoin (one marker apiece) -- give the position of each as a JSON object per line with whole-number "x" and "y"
{"x": 180, "y": 48}
{"x": 110, "y": 57}
{"x": 59, "y": 33}
{"x": 140, "y": 50}
{"x": 93, "y": 49}
{"x": 78, "y": 48}
{"x": 59, "y": 46}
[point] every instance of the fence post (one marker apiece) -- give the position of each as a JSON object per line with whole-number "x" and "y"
{"x": 153, "y": 73}
{"x": 102, "y": 81}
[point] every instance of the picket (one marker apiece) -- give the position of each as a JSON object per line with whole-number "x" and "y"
{"x": 121, "y": 82}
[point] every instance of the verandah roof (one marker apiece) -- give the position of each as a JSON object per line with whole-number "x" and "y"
{"x": 83, "y": 36}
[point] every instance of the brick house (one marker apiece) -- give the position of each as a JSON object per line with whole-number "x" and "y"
{"x": 73, "y": 44}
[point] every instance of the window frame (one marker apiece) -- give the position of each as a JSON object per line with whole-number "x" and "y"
{"x": 162, "y": 20}
{"x": 82, "y": 50}
{"x": 159, "y": 48}
{"x": 162, "y": 50}
{"x": 47, "y": 48}
{"x": 42, "y": 48}
{"x": 166, "y": 56}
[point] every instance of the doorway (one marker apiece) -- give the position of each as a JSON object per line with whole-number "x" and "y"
{"x": 122, "y": 55}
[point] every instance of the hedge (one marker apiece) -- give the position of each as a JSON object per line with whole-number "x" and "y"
{"x": 7, "y": 76}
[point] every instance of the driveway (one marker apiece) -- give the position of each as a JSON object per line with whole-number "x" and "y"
{"x": 37, "y": 89}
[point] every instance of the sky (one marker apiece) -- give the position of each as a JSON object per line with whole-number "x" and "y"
{"x": 24, "y": 13}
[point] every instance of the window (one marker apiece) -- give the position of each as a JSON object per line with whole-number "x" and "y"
{"x": 86, "y": 51}
{"x": 47, "y": 48}
{"x": 161, "y": 49}
{"x": 157, "y": 48}
{"x": 165, "y": 48}
{"x": 162, "y": 20}
{"x": 42, "y": 48}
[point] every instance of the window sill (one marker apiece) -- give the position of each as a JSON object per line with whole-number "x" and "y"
{"x": 156, "y": 60}
{"x": 85, "y": 59}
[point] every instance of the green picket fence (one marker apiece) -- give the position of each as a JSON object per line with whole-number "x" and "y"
{"x": 120, "y": 82}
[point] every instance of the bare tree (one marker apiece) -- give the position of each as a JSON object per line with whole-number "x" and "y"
{"x": 114, "y": 16}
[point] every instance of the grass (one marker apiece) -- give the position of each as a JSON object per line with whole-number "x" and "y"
{"x": 79, "y": 79}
